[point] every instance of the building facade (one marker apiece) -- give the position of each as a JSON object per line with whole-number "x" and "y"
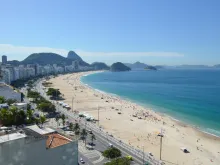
{"x": 28, "y": 147}
{"x": 4, "y": 59}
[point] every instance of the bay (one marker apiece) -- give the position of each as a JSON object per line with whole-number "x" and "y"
{"x": 191, "y": 96}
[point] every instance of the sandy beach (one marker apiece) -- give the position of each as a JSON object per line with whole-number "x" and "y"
{"x": 139, "y": 126}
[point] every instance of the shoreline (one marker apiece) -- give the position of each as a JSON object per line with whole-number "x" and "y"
{"x": 178, "y": 121}
{"x": 140, "y": 132}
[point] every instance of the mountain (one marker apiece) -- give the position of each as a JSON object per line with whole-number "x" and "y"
{"x": 100, "y": 66}
{"x": 136, "y": 65}
{"x": 217, "y": 66}
{"x": 46, "y": 58}
{"x": 139, "y": 65}
{"x": 119, "y": 67}
{"x": 160, "y": 66}
{"x": 53, "y": 58}
{"x": 73, "y": 56}
{"x": 150, "y": 68}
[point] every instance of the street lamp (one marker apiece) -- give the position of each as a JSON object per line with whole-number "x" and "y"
{"x": 72, "y": 103}
{"x": 161, "y": 141}
{"x": 98, "y": 115}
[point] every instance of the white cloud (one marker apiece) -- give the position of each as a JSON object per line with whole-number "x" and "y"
{"x": 21, "y": 52}
{"x": 142, "y": 54}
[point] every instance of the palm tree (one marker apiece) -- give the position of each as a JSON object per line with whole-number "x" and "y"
{"x": 71, "y": 126}
{"x": 57, "y": 120}
{"x": 63, "y": 117}
{"x": 42, "y": 120}
{"x": 76, "y": 127}
{"x": 30, "y": 117}
{"x": 84, "y": 135}
{"x": 93, "y": 138}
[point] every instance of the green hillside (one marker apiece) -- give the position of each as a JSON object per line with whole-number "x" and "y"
{"x": 50, "y": 58}
{"x": 46, "y": 58}
{"x": 119, "y": 67}
{"x": 100, "y": 66}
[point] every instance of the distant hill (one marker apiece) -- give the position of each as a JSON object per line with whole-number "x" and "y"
{"x": 53, "y": 58}
{"x": 150, "y": 68}
{"x": 13, "y": 62}
{"x": 160, "y": 66}
{"x": 136, "y": 65}
{"x": 119, "y": 67}
{"x": 139, "y": 65}
{"x": 46, "y": 58}
{"x": 217, "y": 66}
{"x": 100, "y": 66}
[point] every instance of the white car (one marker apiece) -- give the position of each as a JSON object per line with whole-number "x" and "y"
{"x": 82, "y": 161}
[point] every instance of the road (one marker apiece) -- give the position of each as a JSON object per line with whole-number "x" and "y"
{"x": 103, "y": 138}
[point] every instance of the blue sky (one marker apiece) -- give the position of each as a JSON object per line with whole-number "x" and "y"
{"x": 168, "y": 32}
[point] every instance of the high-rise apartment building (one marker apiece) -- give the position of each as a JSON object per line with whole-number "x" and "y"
{"x": 4, "y": 59}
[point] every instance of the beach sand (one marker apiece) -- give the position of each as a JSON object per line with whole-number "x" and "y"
{"x": 204, "y": 149}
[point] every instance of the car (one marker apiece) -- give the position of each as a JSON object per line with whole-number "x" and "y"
{"x": 91, "y": 144}
{"x": 151, "y": 154}
{"x": 82, "y": 161}
{"x": 110, "y": 145}
{"x": 90, "y": 131}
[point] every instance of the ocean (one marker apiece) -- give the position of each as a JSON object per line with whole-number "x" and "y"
{"x": 190, "y": 96}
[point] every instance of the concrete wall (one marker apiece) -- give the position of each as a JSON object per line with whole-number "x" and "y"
{"x": 28, "y": 151}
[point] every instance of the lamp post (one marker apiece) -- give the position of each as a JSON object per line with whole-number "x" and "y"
{"x": 72, "y": 103}
{"x": 161, "y": 141}
{"x": 98, "y": 115}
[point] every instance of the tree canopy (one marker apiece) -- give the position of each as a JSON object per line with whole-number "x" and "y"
{"x": 2, "y": 100}
{"x": 112, "y": 153}
{"x": 119, "y": 161}
{"x": 11, "y": 101}
{"x": 46, "y": 107}
{"x": 14, "y": 116}
{"x": 33, "y": 94}
{"x": 55, "y": 93}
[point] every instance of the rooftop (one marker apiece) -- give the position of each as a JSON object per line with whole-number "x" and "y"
{"x": 41, "y": 131}
{"x": 52, "y": 137}
{"x": 55, "y": 140}
{"x": 11, "y": 136}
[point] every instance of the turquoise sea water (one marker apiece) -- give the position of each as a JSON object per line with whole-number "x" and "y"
{"x": 191, "y": 96}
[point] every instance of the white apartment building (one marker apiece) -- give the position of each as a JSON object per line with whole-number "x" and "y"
{"x": 16, "y": 73}
{"x": 21, "y": 71}
{"x": 6, "y": 76}
{"x": 30, "y": 72}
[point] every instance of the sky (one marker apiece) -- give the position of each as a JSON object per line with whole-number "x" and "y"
{"x": 157, "y": 32}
